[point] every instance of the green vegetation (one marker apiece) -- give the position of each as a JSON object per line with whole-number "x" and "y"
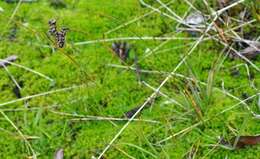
{"x": 205, "y": 112}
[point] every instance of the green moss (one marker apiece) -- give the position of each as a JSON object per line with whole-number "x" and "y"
{"x": 116, "y": 91}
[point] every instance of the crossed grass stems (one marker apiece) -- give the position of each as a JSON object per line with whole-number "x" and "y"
{"x": 156, "y": 91}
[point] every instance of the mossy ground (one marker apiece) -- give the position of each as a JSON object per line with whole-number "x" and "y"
{"x": 113, "y": 90}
